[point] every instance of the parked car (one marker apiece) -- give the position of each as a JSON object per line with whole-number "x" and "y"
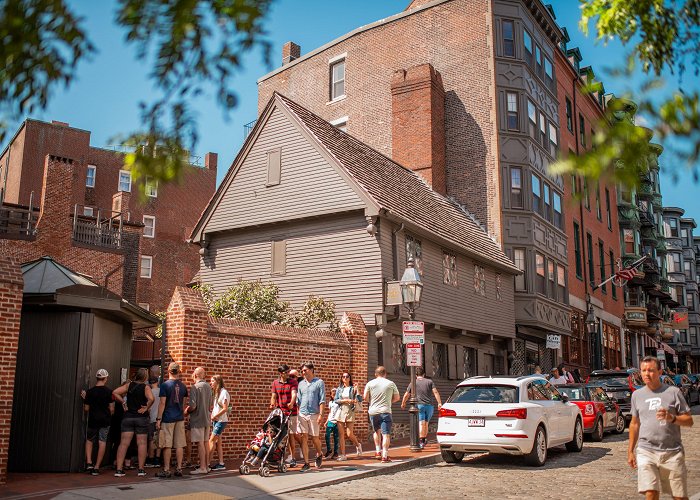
{"x": 600, "y": 413}
{"x": 619, "y": 386}
{"x": 688, "y": 387}
{"x": 508, "y": 415}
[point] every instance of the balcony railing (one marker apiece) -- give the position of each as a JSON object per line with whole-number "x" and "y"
{"x": 96, "y": 231}
{"x": 248, "y": 128}
{"x": 17, "y": 222}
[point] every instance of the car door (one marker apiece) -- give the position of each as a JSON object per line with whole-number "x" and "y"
{"x": 564, "y": 413}
{"x": 610, "y": 415}
{"x": 542, "y": 396}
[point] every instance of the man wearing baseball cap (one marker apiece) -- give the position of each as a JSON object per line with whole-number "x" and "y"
{"x": 99, "y": 405}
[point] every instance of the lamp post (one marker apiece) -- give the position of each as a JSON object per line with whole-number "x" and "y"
{"x": 411, "y": 292}
{"x": 592, "y": 327}
{"x": 658, "y": 338}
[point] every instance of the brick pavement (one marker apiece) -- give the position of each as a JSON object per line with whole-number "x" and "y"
{"x": 600, "y": 471}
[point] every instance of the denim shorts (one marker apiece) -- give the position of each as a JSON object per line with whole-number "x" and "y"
{"x": 218, "y": 428}
{"x": 382, "y": 421}
{"x": 99, "y": 434}
{"x": 425, "y": 412}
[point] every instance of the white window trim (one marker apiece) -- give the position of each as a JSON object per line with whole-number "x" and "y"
{"x": 145, "y": 305}
{"x": 150, "y": 269}
{"x": 119, "y": 181}
{"x": 88, "y": 209}
{"x": 94, "y": 176}
{"x": 337, "y": 58}
{"x": 145, "y": 226}
{"x": 149, "y": 180}
{"x": 331, "y": 62}
{"x": 340, "y": 122}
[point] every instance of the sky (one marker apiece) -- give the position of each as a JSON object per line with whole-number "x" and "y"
{"x": 105, "y": 95}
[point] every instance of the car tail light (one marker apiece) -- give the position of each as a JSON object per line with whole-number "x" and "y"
{"x": 629, "y": 381}
{"x": 446, "y": 412}
{"x": 589, "y": 409}
{"x": 588, "y": 378}
{"x": 515, "y": 413}
{"x": 523, "y": 436}
{"x": 446, "y": 433}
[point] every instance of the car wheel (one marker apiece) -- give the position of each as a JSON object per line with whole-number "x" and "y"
{"x": 597, "y": 434}
{"x": 538, "y": 454}
{"x": 576, "y": 444}
{"x": 452, "y": 457}
{"x": 620, "y": 424}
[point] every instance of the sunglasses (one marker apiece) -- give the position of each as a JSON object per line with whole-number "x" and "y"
{"x": 346, "y": 376}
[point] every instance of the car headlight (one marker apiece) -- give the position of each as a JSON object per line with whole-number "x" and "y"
{"x": 628, "y": 393}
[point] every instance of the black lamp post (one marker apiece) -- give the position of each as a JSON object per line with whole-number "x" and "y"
{"x": 411, "y": 292}
{"x": 659, "y": 338}
{"x": 592, "y": 327}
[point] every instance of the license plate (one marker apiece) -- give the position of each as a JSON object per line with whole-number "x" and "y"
{"x": 475, "y": 422}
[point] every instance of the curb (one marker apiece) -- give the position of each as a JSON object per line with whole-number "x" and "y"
{"x": 399, "y": 467}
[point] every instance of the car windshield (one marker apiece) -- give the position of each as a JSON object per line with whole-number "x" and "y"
{"x": 608, "y": 379}
{"x": 485, "y": 394}
{"x": 574, "y": 393}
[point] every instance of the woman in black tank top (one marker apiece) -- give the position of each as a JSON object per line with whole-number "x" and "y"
{"x": 136, "y": 398}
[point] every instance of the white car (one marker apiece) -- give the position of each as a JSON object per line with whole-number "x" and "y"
{"x": 508, "y": 415}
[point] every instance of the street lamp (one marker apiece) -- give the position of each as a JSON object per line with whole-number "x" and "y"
{"x": 411, "y": 292}
{"x": 592, "y": 328}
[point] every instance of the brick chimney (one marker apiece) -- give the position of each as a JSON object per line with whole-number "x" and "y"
{"x": 57, "y": 197}
{"x": 290, "y": 51}
{"x": 418, "y": 123}
{"x": 211, "y": 161}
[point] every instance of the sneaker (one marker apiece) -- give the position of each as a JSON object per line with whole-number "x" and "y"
{"x": 341, "y": 458}
{"x": 141, "y": 473}
{"x": 386, "y": 459}
{"x": 304, "y": 468}
{"x": 377, "y": 455}
{"x": 328, "y": 454}
{"x": 198, "y": 471}
{"x": 94, "y": 472}
{"x": 421, "y": 445}
{"x": 218, "y": 467}
{"x": 164, "y": 474}
{"x": 119, "y": 473}
{"x": 292, "y": 463}
{"x": 318, "y": 461}
{"x": 178, "y": 472}
{"x": 89, "y": 468}
{"x": 359, "y": 449}
{"x": 334, "y": 456}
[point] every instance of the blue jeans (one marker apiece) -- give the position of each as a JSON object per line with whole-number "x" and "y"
{"x": 381, "y": 421}
{"x": 332, "y": 427}
{"x": 425, "y": 412}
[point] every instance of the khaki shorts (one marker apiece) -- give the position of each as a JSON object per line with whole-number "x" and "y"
{"x": 199, "y": 434}
{"x": 663, "y": 471}
{"x": 172, "y": 435}
{"x": 293, "y": 424}
{"x": 307, "y": 424}
{"x": 346, "y": 414}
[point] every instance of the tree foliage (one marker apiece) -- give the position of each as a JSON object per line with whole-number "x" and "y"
{"x": 193, "y": 45}
{"x": 661, "y": 35}
{"x": 259, "y": 302}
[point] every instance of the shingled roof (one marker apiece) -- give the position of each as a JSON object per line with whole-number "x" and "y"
{"x": 399, "y": 190}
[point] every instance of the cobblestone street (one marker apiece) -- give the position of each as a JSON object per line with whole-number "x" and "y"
{"x": 600, "y": 471}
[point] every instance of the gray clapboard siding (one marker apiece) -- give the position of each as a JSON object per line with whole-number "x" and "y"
{"x": 308, "y": 186}
{"x": 332, "y": 257}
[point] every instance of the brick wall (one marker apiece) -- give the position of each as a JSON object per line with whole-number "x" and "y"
{"x": 11, "y": 286}
{"x": 247, "y": 355}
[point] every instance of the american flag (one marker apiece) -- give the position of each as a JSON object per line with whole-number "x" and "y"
{"x": 626, "y": 274}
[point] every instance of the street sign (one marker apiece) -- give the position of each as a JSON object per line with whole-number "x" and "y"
{"x": 660, "y": 354}
{"x": 393, "y": 293}
{"x": 413, "y": 332}
{"x": 553, "y": 341}
{"x": 414, "y": 354}
{"x": 675, "y": 359}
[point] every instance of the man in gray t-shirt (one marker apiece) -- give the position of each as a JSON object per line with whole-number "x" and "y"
{"x": 198, "y": 410}
{"x": 425, "y": 390}
{"x": 658, "y": 412}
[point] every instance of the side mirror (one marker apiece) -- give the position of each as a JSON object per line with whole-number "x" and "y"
{"x": 564, "y": 398}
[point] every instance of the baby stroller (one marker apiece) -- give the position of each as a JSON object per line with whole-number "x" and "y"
{"x": 275, "y": 433}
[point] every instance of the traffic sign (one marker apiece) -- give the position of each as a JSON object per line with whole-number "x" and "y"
{"x": 414, "y": 354}
{"x": 413, "y": 332}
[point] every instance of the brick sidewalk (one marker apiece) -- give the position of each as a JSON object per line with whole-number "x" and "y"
{"x": 47, "y": 485}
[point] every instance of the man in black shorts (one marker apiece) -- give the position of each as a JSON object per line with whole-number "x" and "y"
{"x": 99, "y": 405}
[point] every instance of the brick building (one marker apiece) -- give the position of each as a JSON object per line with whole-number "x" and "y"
{"x": 492, "y": 121}
{"x": 591, "y": 223}
{"x": 65, "y": 198}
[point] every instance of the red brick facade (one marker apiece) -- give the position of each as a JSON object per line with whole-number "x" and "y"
{"x": 247, "y": 355}
{"x": 11, "y": 286}
{"x": 584, "y": 215}
{"x": 176, "y": 209}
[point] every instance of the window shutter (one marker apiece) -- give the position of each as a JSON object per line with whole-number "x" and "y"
{"x": 452, "y": 361}
{"x": 279, "y": 257}
{"x": 274, "y": 167}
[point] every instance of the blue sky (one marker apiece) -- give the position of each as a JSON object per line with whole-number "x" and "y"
{"x": 104, "y": 98}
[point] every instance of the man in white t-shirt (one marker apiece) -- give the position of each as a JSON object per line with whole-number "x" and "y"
{"x": 153, "y": 459}
{"x": 557, "y": 378}
{"x": 381, "y": 393}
